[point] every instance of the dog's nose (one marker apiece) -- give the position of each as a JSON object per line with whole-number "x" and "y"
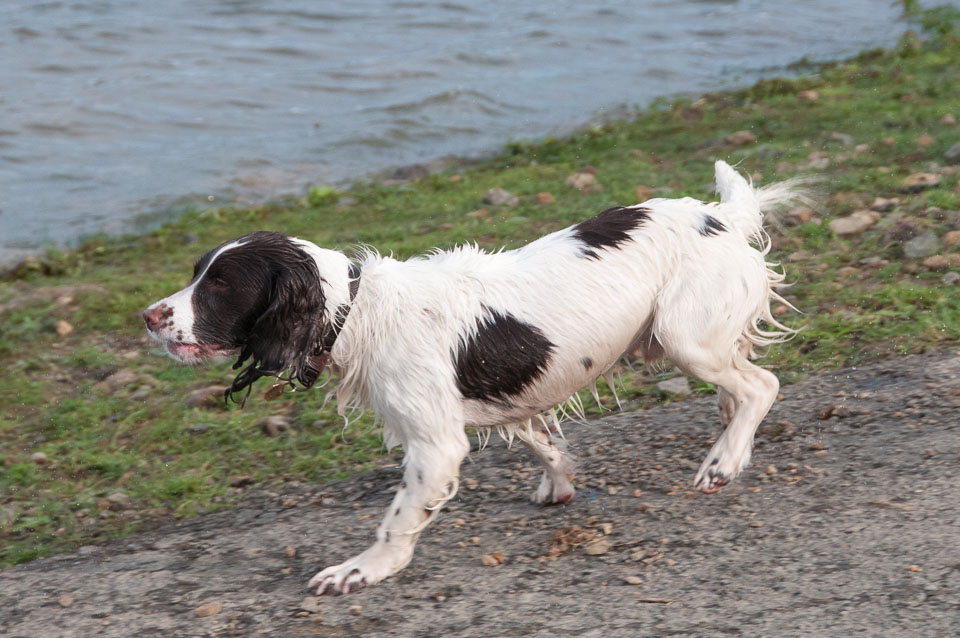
{"x": 152, "y": 317}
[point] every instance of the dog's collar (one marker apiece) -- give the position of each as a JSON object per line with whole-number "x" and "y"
{"x": 340, "y": 316}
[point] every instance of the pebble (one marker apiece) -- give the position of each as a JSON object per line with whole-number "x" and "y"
{"x": 597, "y": 547}
{"x": 311, "y": 604}
{"x": 948, "y": 119}
{"x": 633, "y": 580}
{"x": 208, "y": 397}
{"x": 676, "y": 385}
{"x": 925, "y": 140}
{"x": 580, "y": 181}
{"x": 355, "y": 609}
{"x": 921, "y": 181}
{"x": 118, "y": 499}
{"x": 844, "y": 138}
{"x": 808, "y": 96}
{"x": 499, "y": 197}
{"x": 491, "y": 560}
{"x": 39, "y": 458}
{"x": 853, "y": 224}
{"x": 951, "y": 278}
{"x": 66, "y": 600}
{"x": 741, "y": 138}
{"x": 953, "y": 154}
{"x": 273, "y": 425}
{"x": 952, "y": 238}
{"x": 883, "y": 205}
{"x": 200, "y": 428}
{"x": 545, "y": 198}
{"x": 289, "y": 551}
{"x": 922, "y": 245}
{"x": 208, "y": 609}
{"x": 63, "y": 328}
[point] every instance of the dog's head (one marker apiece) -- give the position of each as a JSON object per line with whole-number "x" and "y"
{"x": 260, "y": 297}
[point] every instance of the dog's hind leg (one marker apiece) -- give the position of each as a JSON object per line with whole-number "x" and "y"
{"x": 556, "y": 486}
{"x": 750, "y": 391}
{"x": 430, "y": 479}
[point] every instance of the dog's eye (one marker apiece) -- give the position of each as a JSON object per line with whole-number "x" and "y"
{"x": 217, "y": 283}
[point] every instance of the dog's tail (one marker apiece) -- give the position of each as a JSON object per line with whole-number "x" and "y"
{"x": 746, "y": 205}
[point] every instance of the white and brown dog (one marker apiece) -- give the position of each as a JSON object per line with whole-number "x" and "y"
{"x": 462, "y": 338}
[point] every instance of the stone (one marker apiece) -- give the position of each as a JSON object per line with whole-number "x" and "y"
{"x": 63, "y": 328}
{"x": 844, "y": 138}
{"x": 118, "y": 380}
{"x": 948, "y": 119}
{"x": 937, "y": 262}
{"x": 953, "y": 154}
{"x": 676, "y": 385}
{"x": 39, "y": 458}
{"x": 208, "y": 609}
{"x": 798, "y": 215}
{"x": 491, "y": 560}
{"x": 310, "y": 604}
{"x": 951, "y": 279}
{"x": 952, "y": 238}
{"x": 66, "y": 600}
{"x": 644, "y": 193}
{"x": 118, "y": 500}
{"x": 808, "y": 96}
{"x": 200, "y": 428}
{"x": 741, "y": 138}
{"x": 862, "y": 148}
{"x": 883, "y": 205}
{"x": 925, "y": 140}
{"x": 7, "y": 516}
{"x": 580, "y": 181}
{"x": 922, "y": 245}
{"x": 499, "y": 197}
{"x": 545, "y": 198}
{"x": 853, "y": 224}
{"x": 597, "y": 547}
{"x": 921, "y": 181}
{"x": 633, "y": 580}
{"x": 289, "y": 551}
{"x": 273, "y": 425}
{"x": 208, "y": 397}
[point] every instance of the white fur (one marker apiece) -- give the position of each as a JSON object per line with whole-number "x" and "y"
{"x": 669, "y": 291}
{"x": 699, "y": 298}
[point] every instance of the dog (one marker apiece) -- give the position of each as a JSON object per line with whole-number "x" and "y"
{"x": 464, "y": 338}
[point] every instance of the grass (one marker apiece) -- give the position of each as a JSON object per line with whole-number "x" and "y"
{"x": 862, "y": 298}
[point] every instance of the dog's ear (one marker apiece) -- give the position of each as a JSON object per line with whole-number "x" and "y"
{"x": 288, "y": 335}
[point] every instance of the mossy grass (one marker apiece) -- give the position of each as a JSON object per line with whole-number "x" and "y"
{"x": 864, "y": 125}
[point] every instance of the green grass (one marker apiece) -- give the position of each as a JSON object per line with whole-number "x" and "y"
{"x": 136, "y": 439}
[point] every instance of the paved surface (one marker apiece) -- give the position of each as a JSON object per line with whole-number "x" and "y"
{"x": 846, "y": 524}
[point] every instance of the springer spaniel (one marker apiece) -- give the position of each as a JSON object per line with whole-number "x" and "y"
{"x": 464, "y": 338}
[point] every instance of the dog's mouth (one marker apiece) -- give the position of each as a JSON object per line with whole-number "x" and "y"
{"x": 194, "y": 352}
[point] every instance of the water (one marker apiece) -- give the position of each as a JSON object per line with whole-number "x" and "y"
{"x": 112, "y": 111}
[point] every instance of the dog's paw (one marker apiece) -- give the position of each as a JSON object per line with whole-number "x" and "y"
{"x": 718, "y": 469}
{"x": 370, "y": 567}
{"x": 554, "y": 490}
{"x": 339, "y": 579}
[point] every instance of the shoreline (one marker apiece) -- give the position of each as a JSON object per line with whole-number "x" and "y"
{"x": 104, "y": 435}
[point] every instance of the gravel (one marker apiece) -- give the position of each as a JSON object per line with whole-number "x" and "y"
{"x": 854, "y": 533}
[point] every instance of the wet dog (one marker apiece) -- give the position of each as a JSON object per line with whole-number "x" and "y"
{"x": 462, "y": 337}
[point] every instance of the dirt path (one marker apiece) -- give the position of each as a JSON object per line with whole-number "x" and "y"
{"x": 843, "y": 526}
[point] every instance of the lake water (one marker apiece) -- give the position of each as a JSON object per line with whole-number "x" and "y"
{"x": 114, "y": 111}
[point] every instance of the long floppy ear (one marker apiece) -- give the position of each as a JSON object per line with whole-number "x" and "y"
{"x": 287, "y": 336}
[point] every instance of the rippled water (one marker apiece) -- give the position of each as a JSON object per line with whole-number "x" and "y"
{"x": 111, "y": 109}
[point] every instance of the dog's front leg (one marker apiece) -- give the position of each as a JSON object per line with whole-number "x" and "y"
{"x": 430, "y": 479}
